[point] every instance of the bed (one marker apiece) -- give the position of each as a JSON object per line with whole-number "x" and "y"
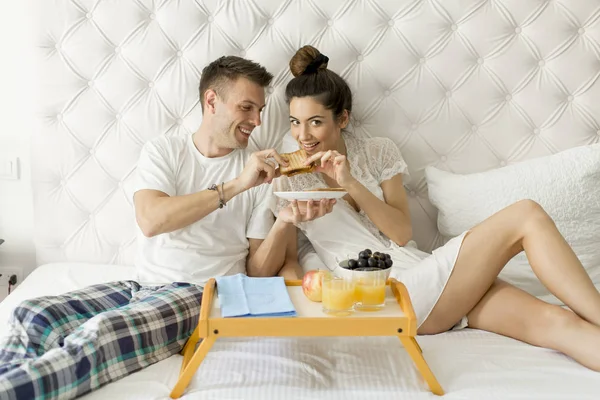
{"x": 463, "y": 86}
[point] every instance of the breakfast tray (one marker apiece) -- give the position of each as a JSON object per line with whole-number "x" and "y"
{"x": 397, "y": 318}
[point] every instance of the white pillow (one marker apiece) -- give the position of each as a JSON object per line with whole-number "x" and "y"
{"x": 566, "y": 185}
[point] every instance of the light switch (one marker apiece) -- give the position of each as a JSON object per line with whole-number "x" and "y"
{"x": 9, "y": 168}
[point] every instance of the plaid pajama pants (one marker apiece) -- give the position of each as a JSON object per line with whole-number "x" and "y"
{"x": 62, "y": 347}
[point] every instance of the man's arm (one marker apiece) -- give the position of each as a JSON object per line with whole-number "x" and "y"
{"x": 266, "y": 257}
{"x": 156, "y": 212}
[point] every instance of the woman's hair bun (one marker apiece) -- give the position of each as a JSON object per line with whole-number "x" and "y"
{"x": 308, "y": 60}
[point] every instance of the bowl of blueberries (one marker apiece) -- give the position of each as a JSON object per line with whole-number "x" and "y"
{"x": 367, "y": 261}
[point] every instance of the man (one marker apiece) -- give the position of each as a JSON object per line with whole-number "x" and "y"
{"x": 178, "y": 212}
{"x": 202, "y": 206}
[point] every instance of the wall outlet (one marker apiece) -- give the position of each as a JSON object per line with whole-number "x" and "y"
{"x": 8, "y": 272}
{"x": 9, "y": 168}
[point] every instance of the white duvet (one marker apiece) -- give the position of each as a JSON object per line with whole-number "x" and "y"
{"x": 469, "y": 364}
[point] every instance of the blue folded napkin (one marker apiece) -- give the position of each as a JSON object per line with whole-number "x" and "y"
{"x": 242, "y": 296}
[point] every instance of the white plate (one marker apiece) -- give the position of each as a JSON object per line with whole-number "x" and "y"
{"x": 317, "y": 195}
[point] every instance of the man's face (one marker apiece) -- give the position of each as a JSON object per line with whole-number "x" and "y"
{"x": 237, "y": 112}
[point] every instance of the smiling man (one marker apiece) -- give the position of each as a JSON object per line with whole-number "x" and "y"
{"x": 200, "y": 201}
{"x": 202, "y": 207}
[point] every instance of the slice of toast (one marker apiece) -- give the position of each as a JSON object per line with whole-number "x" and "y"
{"x": 295, "y": 163}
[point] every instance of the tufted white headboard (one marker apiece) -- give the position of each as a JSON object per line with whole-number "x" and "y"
{"x": 465, "y": 85}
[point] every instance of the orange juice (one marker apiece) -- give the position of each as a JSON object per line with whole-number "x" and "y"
{"x": 370, "y": 291}
{"x": 370, "y": 295}
{"x": 338, "y": 295}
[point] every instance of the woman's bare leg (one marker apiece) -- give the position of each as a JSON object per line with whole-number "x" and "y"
{"x": 512, "y": 312}
{"x": 491, "y": 244}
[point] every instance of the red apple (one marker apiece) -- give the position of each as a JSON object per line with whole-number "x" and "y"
{"x": 311, "y": 284}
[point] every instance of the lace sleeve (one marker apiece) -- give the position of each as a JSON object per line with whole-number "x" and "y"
{"x": 389, "y": 159}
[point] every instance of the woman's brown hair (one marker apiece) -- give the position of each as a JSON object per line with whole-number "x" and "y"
{"x": 313, "y": 79}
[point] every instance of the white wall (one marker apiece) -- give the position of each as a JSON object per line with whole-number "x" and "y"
{"x": 17, "y": 102}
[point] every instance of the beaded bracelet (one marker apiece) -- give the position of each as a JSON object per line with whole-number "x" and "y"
{"x": 220, "y": 192}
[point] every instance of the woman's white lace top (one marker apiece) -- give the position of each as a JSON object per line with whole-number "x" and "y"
{"x": 372, "y": 161}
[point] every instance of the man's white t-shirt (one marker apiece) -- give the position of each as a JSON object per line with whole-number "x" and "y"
{"x": 215, "y": 245}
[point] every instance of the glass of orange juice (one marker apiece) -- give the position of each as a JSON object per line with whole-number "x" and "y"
{"x": 338, "y": 295}
{"x": 370, "y": 290}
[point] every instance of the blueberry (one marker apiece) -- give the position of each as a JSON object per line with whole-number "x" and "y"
{"x": 381, "y": 264}
{"x": 372, "y": 262}
{"x": 388, "y": 262}
{"x": 368, "y": 251}
{"x": 377, "y": 255}
{"x": 387, "y": 256}
{"x": 352, "y": 264}
{"x": 363, "y": 255}
{"x": 362, "y": 263}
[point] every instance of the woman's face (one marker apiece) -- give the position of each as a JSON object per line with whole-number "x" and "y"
{"x": 313, "y": 126}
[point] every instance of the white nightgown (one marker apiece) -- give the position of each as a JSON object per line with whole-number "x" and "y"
{"x": 344, "y": 232}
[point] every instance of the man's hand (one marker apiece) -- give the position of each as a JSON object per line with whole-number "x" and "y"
{"x": 260, "y": 169}
{"x": 305, "y": 211}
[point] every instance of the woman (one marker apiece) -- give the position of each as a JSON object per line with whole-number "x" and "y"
{"x": 458, "y": 284}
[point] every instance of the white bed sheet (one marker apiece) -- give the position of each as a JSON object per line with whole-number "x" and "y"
{"x": 469, "y": 364}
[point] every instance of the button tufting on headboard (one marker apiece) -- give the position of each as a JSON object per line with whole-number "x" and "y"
{"x": 464, "y": 87}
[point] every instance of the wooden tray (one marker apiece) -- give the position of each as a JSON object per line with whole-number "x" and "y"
{"x": 397, "y": 318}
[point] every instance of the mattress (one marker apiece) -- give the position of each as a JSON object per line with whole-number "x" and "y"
{"x": 469, "y": 364}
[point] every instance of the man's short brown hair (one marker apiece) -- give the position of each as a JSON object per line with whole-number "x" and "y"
{"x": 228, "y": 69}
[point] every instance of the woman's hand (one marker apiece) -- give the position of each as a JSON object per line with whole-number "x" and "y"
{"x": 304, "y": 211}
{"x": 334, "y": 165}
